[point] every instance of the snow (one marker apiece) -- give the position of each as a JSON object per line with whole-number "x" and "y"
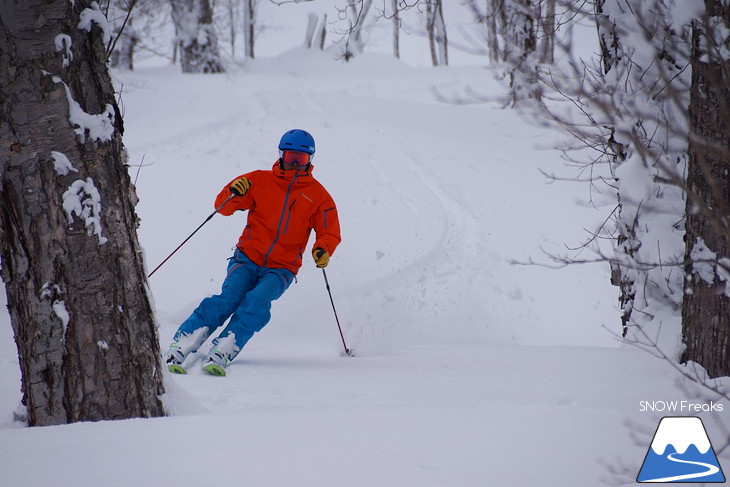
{"x": 469, "y": 370}
{"x": 98, "y": 127}
{"x": 690, "y": 431}
{"x": 94, "y": 15}
{"x": 83, "y": 200}
{"x": 59, "y": 309}
{"x": 61, "y": 164}
{"x": 702, "y": 258}
{"x": 63, "y": 43}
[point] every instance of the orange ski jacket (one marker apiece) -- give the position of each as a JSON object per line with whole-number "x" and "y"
{"x": 283, "y": 209}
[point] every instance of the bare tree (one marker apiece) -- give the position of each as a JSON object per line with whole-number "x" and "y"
{"x": 436, "y": 28}
{"x": 520, "y": 34}
{"x": 250, "y": 8}
{"x": 126, "y": 36}
{"x": 396, "y": 19}
{"x": 71, "y": 263}
{"x": 322, "y": 32}
{"x": 546, "y": 40}
{"x": 196, "y": 36}
{"x": 393, "y": 10}
{"x": 655, "y": 110}
{"x": 354, "y": 16}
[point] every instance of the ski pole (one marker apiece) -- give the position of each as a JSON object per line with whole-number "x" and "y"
{"x": 191, "y": 235}
{"x": 348, "y": 352}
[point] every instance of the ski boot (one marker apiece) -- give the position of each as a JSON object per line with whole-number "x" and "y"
{"x": 215, "y": 363}
{"x": 174, "y": 359}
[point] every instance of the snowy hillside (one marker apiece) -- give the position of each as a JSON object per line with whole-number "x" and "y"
{"x": 470, "y": 371}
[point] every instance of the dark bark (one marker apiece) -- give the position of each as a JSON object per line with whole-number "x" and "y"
{"x": 706, "y": 305}
{"x": 103, "y": 362}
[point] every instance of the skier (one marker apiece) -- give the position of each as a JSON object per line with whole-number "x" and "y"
{"x": 284, "y": 205}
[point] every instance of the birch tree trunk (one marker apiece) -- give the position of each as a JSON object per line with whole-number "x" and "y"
{"x": 706, "y": 305}
{"x": 71, "y": 263}
{"x": 249, "y": 27}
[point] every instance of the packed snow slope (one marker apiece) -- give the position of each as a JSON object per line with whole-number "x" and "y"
{"x": 470, "y": 371}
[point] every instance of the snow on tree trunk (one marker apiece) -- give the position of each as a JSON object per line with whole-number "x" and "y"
{"x": 642, "y": 101}
{"x": 519, "y": 24}
{"x": 71, "y": 263}
{"x": 196, "y": 36}
{"x": 706, "y": 305}
{"x": 622, "y": 275}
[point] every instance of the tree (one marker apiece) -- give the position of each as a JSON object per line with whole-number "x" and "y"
{"x": 354, "y": 14}
{"x": 520, "y": 34}
{"x": 125, "y": 35}
{"x": 706, "y": 305}
{"x": 249, "y": 26}
{"x": 436, "y": 28}
{"x": 671, "y": 137}
{"x": 547, "y": 38}
{"x": 71, "y": 262}
{"x": 196, "y": 36}
{"x": 655, "y": 110}
{"x": 396, "y": 8}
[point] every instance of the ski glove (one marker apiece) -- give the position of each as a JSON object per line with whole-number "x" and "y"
{"x": 240, "y": 186}
{"x": 321, "y": 257}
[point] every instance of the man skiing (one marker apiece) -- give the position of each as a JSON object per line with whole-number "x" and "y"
{"x": 284, "y": 205}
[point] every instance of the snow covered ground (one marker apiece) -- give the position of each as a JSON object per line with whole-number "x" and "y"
{"x": 470, "y": 371}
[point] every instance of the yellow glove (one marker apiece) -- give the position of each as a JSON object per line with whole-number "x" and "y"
{"x": 321, "y": 257}
{"x": 240, "y": 186}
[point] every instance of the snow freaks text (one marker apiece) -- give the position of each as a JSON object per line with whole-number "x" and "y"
{"x": 679, "y": 407}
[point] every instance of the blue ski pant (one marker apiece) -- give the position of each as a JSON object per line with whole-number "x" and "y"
{"x": 246, "y": 297}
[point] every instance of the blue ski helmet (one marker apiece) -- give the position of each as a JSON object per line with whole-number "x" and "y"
{"x": 298, "y": 140}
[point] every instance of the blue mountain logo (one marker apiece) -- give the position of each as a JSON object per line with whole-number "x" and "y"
{"x": 681, "y": 452}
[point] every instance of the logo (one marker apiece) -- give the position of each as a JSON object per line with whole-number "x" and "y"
{"x": 681, "y": 452}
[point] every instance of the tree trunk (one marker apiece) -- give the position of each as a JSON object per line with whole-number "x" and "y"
{"x": 71, "y": 263}
{"x": 493, "y": 8}
{"x": 396, "y": 27}
{"x": 123, "y": 56}
{"x": 547, "y": 40}
{"x": 441, "y": 37}
{"x": 357, "y": 11}
{"x": 249, "y": 27}
{"x": 323, "y": 32}
{"x": 196, "y": 36}
{"x": 431, "y": 30}
{"x": 622, "y": 275}
{"x": 312, "y": 22}
{"x": 607, "y": 37}
{"x": 436, "y": 29}
{"x": 706, "y": 305}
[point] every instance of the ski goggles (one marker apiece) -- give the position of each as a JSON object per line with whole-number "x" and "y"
{"x": 295, "y": 158}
